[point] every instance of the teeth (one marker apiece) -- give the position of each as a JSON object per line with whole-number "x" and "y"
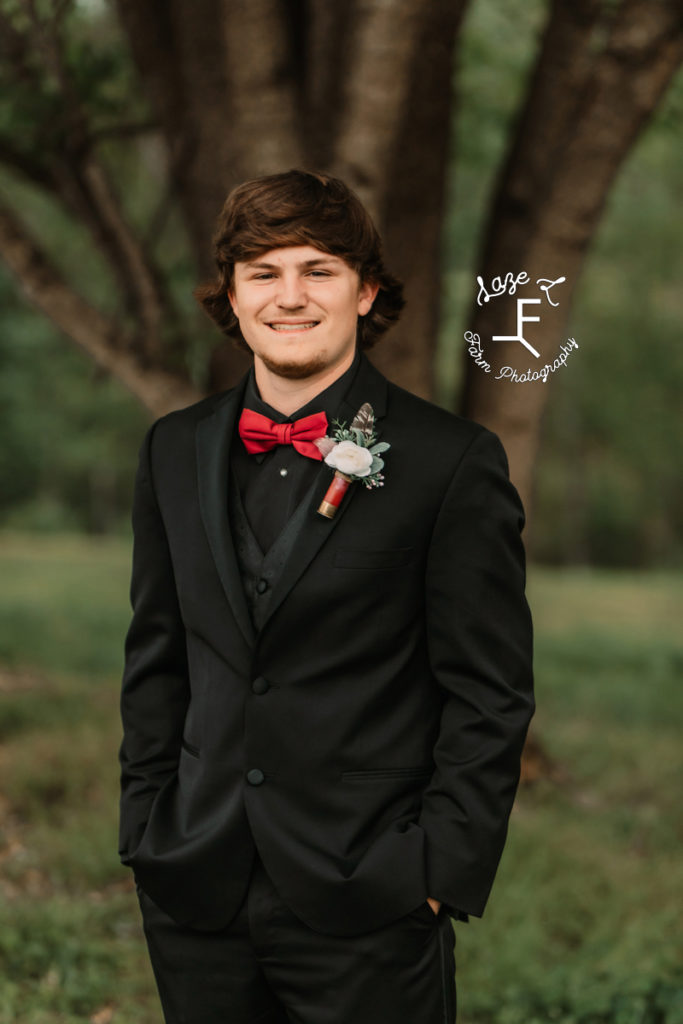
{"x": 294, "y": 327}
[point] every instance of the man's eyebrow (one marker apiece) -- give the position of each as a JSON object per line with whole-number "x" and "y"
{"x": 262, "y": 265}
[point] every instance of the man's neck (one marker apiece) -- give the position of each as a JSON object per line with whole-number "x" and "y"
{"x": 287, "y": 395}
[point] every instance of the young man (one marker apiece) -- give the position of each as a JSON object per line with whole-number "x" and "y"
{"x": 323, "y": 717}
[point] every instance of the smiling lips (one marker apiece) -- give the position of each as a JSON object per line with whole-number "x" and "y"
{"x": 293, "y": 325}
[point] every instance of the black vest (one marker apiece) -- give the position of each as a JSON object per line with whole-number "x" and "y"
{"x": 260, "y": 571}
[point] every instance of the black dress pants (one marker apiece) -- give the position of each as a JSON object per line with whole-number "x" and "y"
{"x": 268, "y": 967}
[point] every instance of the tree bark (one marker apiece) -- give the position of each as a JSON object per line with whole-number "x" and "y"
{"x": 587, "y": 102}
{"x": 413, "y": 206}
{"x": 376, "y": 86}
{"x": 179, "y": 51}
{"x": 263, "y": 109}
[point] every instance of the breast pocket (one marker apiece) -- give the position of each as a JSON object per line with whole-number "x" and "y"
{"x": 372, "y": 558}
{"x": 387, "y": 774}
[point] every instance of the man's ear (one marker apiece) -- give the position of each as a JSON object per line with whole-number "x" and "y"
{"x": 366, "y": 297}
{"x": 232, "y": 301}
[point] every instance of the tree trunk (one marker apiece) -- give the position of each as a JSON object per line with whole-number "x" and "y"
{"x": 363, "y": 92}
{"x": 414, "y": 203}
{"x": 586, "y": 104}
{"x": 179, "y": 52}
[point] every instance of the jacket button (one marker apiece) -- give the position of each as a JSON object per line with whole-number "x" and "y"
{"x": 255, "y": 777}
{"x": 260, "y": 685}
{"x": 261, "y": 586}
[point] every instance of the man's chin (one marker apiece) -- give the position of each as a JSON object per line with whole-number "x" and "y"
{"x": 292, "y": 369}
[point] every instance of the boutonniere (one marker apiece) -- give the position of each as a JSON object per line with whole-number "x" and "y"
{"x": 354, "y": 454}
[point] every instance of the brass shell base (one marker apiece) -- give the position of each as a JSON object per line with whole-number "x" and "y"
{"x": 327, "y": 509}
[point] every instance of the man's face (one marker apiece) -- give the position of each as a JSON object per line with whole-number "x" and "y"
{"x": 298, "y": 308}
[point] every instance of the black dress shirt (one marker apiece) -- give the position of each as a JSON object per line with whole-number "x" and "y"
{"x": 272, "y": 483}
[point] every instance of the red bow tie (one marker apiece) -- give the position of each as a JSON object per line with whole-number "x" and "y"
{"x": 261, "y": 434}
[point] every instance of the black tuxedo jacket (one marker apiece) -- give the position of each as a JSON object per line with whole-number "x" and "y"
{"x": 367, "y": 739}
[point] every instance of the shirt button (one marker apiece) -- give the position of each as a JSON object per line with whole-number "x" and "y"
{"x": 261, "y": 586}
{"x": 283, "y": 472}
{"x": 255, "y": 777}
{"x": 260, "y": 685}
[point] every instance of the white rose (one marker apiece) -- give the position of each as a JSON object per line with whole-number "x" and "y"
{"x": 350, "y": 458}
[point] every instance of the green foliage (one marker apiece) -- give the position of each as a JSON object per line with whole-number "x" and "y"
{"x": 44, "y": 618}
{"x": 32, "y": 109}
{"x": 583, "y": 926}
{"x": 45, "y": 946}
{"x": 52, "y": 974}
{"x": 70, "y": 436}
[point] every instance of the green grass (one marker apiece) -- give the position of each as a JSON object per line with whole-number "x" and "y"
{"x": 584, "y": 923}
{"x": 63, "y": 602}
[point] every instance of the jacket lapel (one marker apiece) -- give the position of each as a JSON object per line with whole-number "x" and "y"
{"x": 213, "y": 439}
{"x": 368, "y": 386}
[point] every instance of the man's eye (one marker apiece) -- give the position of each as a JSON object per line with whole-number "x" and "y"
{"x": 319, "y": 273}
{"x": 263, "y": 277}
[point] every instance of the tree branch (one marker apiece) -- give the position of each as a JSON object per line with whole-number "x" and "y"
{"x": 102, "y": 339}
{"x": 92, "y": 191}
{"x": 142, "y": 278}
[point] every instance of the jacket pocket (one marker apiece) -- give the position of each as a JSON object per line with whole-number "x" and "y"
{"x": 425, "y": 914}
{"x": 371, "y": 558}
{"x": 380, "y": 774}
{"x": 190, "y": 749}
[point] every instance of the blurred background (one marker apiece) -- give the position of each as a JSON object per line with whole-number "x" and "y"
{"x": 486, "y": 138}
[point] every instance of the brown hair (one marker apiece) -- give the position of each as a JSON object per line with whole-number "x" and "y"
{"x": 299, "y": 208}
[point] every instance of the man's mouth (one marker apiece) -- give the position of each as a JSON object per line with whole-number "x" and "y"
{"x": 300, "y": 325}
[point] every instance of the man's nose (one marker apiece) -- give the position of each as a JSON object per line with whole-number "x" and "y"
{"x": 291, "y": 292}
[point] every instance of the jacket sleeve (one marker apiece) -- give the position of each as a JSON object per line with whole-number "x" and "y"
{"x": 480, "y": 649}
{"x": 155, "y": 691}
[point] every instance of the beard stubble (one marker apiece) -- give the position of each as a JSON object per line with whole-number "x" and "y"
{"x": 295, "y": 370}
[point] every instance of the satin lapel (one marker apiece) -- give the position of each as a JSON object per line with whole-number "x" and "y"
{"x": 213, "y": 439}
{"x": 369, "y": 386}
